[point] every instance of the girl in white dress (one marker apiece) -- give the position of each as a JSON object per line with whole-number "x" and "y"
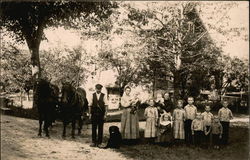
{"x": 151, "y": 114}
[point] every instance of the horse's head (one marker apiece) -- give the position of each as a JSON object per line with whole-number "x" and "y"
{"x": 43, "y": 87}
{"x": 67, "y": 93}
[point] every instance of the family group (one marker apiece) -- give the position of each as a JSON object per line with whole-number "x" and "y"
{"x": 166, "y": 123}
{"x": 187, "y": 124}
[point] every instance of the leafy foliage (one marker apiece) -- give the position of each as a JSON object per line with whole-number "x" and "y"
{"x": 15, "y": 68}
{"x": 65, "y": 65}
{"x": 27, "y": 19}
{"x": 177, "y": 36}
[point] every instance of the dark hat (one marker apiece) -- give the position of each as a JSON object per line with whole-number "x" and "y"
{"x": 98, "y": 86}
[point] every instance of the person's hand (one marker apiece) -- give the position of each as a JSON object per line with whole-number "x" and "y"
{"x": 220, "y": 136}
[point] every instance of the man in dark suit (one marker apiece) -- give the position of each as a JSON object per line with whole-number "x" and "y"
{"x": 98, "y": 113}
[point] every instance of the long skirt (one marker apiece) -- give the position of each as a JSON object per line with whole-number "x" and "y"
{"x": 150, "y": 129}
{"x": 164, "y": 134}
{"x": 129, "y": 124}
{"x": 179, "y": 129}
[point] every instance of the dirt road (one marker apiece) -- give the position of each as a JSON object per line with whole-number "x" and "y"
{"x": 19, "y": 141}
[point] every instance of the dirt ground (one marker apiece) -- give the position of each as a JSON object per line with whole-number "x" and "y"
{"x": 19, "y": 141}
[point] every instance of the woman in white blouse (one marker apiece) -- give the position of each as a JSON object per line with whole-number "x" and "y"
{"x": 129, "y": 120}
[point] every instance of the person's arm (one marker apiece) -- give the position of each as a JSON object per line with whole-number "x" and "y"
{"x": 204, "y": 128}
{"x": 230, "y": 114}
{"x": 209, "y": 130}
{"x": 105, "y": 99}
{"x": 90, "y": 105}
{"x": 192, "y": 127}
{"x": 184, "y": 116}
{"x": 173, "y": 118}
{"x": 219, "y": 115}
{"x": 156, "y": 115}
{"x": 145, "y": 112}
{"x": 221, "y": 131}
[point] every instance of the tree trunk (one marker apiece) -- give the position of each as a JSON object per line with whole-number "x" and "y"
{"x": 33, "y": 45}
{"x": 176, "y": 85}
{"x": 154, "y": 82}
{"x": 35, "y": 62}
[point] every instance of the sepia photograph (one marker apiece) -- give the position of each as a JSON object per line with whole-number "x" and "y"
{"x": 124, "y": 80}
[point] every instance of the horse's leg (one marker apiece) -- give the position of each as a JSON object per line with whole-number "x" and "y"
{"x": 40, "y": 126}
{"x": 73, "y": 127}
{"x": 46, "y": 125}
{"x": 64, "y": 128}
{"x": 80, "y": 123}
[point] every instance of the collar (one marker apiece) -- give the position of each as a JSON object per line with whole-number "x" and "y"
{"x": 191, "y": 105}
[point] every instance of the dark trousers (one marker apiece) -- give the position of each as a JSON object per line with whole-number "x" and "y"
{"x": 207, "y": 137}
{"x": 225, "y": 134}
{"x": 97, "y": 125}
{"x": 188, "y": 131}
{"x": 216, "y": 139}
{"x": 198, "y": 137}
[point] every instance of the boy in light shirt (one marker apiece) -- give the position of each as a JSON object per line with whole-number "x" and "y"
{"x": 225, "y": 115}
{"x": 216, "y": 131}
{"x": 207, "y": 117}
{"x": 198, "y": 129}
{"x": 191, "y": 112}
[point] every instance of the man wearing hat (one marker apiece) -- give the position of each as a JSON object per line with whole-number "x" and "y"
{"x": 98, "y": 112}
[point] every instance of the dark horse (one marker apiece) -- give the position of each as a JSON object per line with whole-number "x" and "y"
{"x": 46, "y": 101}
{"x": 73, "y": 107}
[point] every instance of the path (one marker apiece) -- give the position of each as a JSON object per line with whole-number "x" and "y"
{"x": 19, "y": 141}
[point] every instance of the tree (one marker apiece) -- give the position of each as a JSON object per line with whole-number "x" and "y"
{"x": 67, "y": 67}
{"x": 27, "y": 20}
{"x": 235, "y": 74}
{"x": 15, "y": 68}
{"x": 123, "y": 56}
{"x": 179, "y": 41}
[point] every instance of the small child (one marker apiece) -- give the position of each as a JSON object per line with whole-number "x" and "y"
{"x": 225, "y": 115}
{"x": 191, "y": 111}
{"x": 151, "y": 114}
{"x": 216, "y": 130}
{"x": 135, "y": 103}
{"x": 179, "y": 118}
{"x": 164, "y": 129}
{"x": 198, "y": 128}
{"x": 207, "y": 117}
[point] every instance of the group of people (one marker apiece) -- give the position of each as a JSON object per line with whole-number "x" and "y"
{"x": 186, "y": 124}
{"x": 165, "y": 123}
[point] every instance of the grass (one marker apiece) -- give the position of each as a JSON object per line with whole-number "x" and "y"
{"x": 237, "y": 149}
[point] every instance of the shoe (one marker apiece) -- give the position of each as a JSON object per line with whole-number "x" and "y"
{"x": 101, "y": 145}
{"x": 93, "y": 145}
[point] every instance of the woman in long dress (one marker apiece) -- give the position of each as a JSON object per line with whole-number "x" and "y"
{"x": 129, "y": 118}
